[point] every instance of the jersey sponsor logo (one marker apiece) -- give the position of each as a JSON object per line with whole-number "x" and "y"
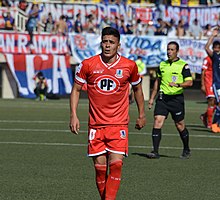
{"x": 123, "y": 134}
{"x": 119, "y": 73}
{"x": 98, "y": 71}
{"x": 107, "y": 84}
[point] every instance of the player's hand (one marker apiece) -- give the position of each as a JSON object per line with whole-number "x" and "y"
{"x": 140, "y": 123}
{"x": 150, "y": 103}
{"x": 203, "y": 89}
{"x": 215, "y": 32}
{"x": 74, "y": 125}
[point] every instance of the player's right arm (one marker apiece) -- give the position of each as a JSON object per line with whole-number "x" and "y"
{"x": 210, "y": 40}
{"x": 74, "y": 99}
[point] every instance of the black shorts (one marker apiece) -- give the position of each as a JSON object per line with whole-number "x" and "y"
{"x": 173, "y": 104}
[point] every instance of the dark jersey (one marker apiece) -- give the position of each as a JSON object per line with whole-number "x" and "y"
{"x": 216, "y": 68}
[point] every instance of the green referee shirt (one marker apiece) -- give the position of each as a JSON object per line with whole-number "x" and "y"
{"x": 177, "y": 72}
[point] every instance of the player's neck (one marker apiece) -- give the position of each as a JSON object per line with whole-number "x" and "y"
{"x": 109, "y": 60}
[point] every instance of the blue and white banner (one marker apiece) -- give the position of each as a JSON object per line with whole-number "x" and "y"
{"x": 152, "y": 49}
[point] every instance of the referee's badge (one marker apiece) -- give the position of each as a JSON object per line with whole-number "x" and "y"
{"x": 119, "y": 73}
{"x": 174, "y": 79}
{"x": 123, "y": 134}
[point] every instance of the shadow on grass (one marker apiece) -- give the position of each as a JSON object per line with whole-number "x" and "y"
{"x": 145, "y": 156}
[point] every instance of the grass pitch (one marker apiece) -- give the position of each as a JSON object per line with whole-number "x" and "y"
{"x": 41, "y": 160}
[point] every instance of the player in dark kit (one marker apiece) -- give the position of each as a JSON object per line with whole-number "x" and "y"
{"x": 215, "y": 55}
{"x": 173, "y": 75}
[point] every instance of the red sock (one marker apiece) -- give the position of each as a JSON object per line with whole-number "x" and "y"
{"x": 114, "y": 179}
{"x": 210, "y": 111}
{"x": 101, "y": 178}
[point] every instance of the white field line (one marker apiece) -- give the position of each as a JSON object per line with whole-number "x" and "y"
{"x": 82, "y": 122}
{"x": 84, "y": 145}
{"x": 85, "y": 131}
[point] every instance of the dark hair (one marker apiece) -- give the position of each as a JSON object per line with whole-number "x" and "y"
{"x": 174, "y": 43}
{"x": 215, "y": 43}
{"x": 110, "y": 31}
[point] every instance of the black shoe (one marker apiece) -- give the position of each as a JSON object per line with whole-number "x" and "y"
{"x": 186, "y": 154}
{"x": 153, "y": 155}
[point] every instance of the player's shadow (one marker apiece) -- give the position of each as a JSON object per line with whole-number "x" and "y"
{"x": 199, "y": 128}
{"x": 145, "y": 156}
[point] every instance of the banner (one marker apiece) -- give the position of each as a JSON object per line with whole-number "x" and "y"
{"x": 42, "y": 44}
{"x": 56, "y": 69}
{"x": 153, "y": 49}
{"x": 205, "y": 14}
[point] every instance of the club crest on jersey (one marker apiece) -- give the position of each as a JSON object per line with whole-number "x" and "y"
{"x": 119, "y": 73}
{"x": 123, "y": 134}
{"x": 106, "y": 84}
{"x": 174, "y": 79}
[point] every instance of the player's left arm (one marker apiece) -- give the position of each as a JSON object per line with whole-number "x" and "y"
{"x": 139, "y": 98}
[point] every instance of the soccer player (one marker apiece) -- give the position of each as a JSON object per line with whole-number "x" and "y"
{"x": 215, "y": 55}
{"x": 206, "y": 87}
{"x": 107, "y": 76}
{"x": 173, "y": 76}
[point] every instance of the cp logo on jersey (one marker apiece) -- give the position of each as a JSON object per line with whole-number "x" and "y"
{"x": 106, "y": 84}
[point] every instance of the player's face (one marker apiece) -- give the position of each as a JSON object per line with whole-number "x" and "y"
{"x": 216, "y": 48}
{"x": 172, "y": 52}
{"x": 110, "y": 46}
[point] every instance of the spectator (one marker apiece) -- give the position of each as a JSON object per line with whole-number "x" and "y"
{"x": 32, "y": 22}
{"x": 150, "y": 29}
{"x": 69, "y": 24}
{"x": 139, "y": 27}
{"x": 61, "y": 26}
{"x": 115, "y": 23}
{"x": 90, "y": 24}
{"x": 195, "y": 30}
{"x": 49, "y": 25}
{"x": 6, "y": 3}
{"x": 104, "y": 23}
{"x": 9, "y": 21}
{"x": 78, "y": 25}
{"x": 23, "y": 5}
{"x": 41, "y": 86}
{"x": 161, "y": 27}
{"x": 171, "y": 29}
{"x": 208, "y": 30}
{"x": 180, "y": 31}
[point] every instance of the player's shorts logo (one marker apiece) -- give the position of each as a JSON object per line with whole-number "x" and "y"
{"x": 107, "y": 84}
{"x": 123, "y": 134}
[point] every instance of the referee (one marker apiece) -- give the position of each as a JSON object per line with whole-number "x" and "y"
{"x": 173, "y": 75}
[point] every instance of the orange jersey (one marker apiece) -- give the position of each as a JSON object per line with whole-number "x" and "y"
{"x": 108, "y": 89}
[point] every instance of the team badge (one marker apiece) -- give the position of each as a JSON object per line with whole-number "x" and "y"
{"x": 174, "y": 79}
{"x": 123, "y": 134}
{"x": 119, "y": 73}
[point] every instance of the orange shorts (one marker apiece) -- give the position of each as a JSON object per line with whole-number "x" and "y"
{"x": 108, "y": 139}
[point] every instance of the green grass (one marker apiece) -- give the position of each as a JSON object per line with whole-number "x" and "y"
{"x": 41, "y": 160}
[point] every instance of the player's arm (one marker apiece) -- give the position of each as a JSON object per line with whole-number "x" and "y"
{"x": 203, "y": 81}
{"x": 74, "y": 99}
{"x": 154, "y": 93}
{"x": 139, "y": 98}
{"x": 209, "y": 42}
